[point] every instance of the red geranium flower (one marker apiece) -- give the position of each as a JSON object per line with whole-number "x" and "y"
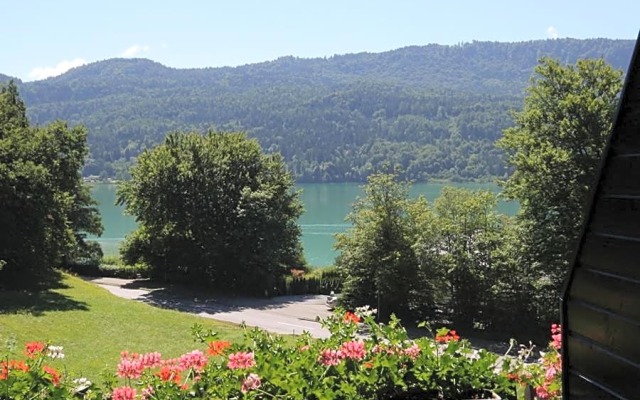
{"x": 447, "y": 336}
{"x": 218, "y": 347}
{"x": 32, "y": 349}
{"x": 169, "y": 373}
{"x": 55, "y": 375}
{"x": 351, "y": 317}
{"x": 5, "y": 367}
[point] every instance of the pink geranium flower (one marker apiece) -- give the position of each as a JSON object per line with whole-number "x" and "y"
{"x": 330, "y": 357}
{"x": 151, "y": 360}
{"x": 147, "y": 392}
{"x": 128, "y": 368}
{"x": 123, "y": 393}
{"x": 252, "y": 382}
{"x": 132, "y": 364}
{"x": 542, "y": 392}
{"x": 556, "y": 335}
{"x": 413, "y": 352}
{"x": 241, "y": 360}
{"x": 195, "y": 359}
{"x": 353, "y": 350}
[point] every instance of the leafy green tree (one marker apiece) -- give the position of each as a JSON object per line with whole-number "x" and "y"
{"x": 459, "y": 244}
{"x": 470, "y": 232}
{"x": 448, "y": 259}
{"x": 46, "y": 209}
{"x": 213, "y": 209}
{"x": 554, "y": 151}
{"x": 376, "y": 259}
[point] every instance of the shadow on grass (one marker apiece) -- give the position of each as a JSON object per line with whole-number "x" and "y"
{"x": 35, "y": 295}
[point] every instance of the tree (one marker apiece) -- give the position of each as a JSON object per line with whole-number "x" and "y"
{"x": 460, "y": 245}
{"x": 554, "y": 150}
{"x": 377, "y": 260}
{"x": 470, "y": 233}
{"x": 46, "y": 209}
{"x": 213, "y": 209}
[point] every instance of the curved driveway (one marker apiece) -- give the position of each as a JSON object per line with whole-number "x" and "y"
{"x": 285, "y": 314}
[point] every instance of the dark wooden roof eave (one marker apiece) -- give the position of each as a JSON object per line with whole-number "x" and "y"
{"x": 626, "y": 123}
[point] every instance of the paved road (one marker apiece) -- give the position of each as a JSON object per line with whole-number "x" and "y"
{"x": 285, "y": 314}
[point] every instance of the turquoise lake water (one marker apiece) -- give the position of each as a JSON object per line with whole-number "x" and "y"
{"x": 326, "y": 206}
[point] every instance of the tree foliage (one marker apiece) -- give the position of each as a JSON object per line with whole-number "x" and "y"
{"x": 485, "y": 270}
{"x": 554, "y": 150}
{"x": 46, "y": 209}
{"x": 470, "y": 234}
{"x": 422, "y": 260}
{"x": 376, "y": 255}
{"x": 213, "y": 209}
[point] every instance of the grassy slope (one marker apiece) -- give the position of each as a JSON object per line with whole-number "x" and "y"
{"x": 94, "y": 326}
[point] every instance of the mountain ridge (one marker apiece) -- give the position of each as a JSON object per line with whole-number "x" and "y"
{"x": 335, "y": 56}
{"x": 434, "y": 111}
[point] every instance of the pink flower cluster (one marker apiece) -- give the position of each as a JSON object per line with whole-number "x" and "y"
{"x": 123, "y": 393}
{"x": 196, "y": 360}
{"x": 552, "y": 362}
{"x": 556, "y": 336}
{"x": 251, "y": 382}
{"x": 147, "y": 392}
{"x": 330, "y": 357}
{"x": 132, "y": 364}
{"x": 353, "y": 350}
{"x": 412, "y": 352}
{"x": 241, "y": 360}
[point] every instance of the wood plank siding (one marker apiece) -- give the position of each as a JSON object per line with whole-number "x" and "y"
{"x": 601, "y": 302}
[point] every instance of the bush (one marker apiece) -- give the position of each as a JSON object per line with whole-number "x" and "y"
{"x": 88, "y": 253}
{"x": 315, "y": 281}
{"x": 201, "y": 201}
{"x": 37, "y": 375}
{"x": 384, "y": 364}
{"x": 111, "y": 267}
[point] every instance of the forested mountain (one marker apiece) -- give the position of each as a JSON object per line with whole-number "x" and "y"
{"x": 433, "y": 110}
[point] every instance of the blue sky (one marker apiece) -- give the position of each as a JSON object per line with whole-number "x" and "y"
{"x": 42, "y": 38}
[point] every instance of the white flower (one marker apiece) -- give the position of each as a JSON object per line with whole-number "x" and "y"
{"x": 365, "y": 311}
{"x": 504, "y": 363}
{"x": 473, "y": 354}
{"x": 82, "y": 384}
{"x": 55, "y": 352}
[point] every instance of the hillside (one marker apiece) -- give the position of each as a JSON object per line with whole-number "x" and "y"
{"x": 433, "y": 110}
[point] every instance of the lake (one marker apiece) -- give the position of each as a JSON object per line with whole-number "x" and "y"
{"x": 326, "y": 206}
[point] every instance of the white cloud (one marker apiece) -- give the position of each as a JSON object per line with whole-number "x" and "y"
{"x": 552, "y": 32}
{"x": 60, "y": 68}
{"x": 135, "y": 50}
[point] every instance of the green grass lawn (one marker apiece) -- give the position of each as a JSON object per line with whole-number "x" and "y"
{"x": 94, "y": 326}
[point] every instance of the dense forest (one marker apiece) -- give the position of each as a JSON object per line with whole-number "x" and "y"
{"x": 432, "y": 111}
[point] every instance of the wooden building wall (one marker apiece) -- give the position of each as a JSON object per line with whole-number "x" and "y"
{"x": 601, "y": 303}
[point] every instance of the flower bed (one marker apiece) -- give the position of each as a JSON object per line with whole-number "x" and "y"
{"x": 383, "y": 364}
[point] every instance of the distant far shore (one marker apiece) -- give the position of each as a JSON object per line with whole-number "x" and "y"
{"x": 102, "y": 181}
